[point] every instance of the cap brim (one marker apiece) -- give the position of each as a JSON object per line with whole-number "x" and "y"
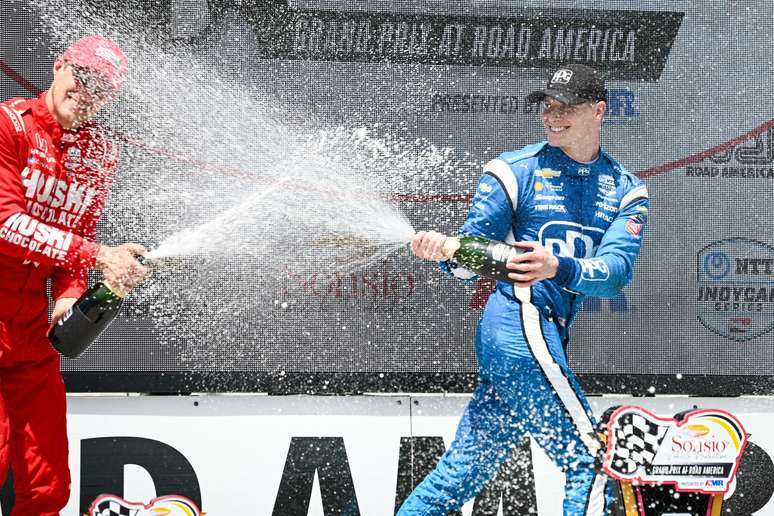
{"x": 561, "y": 96}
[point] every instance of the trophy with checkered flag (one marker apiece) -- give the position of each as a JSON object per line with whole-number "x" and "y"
{"x": 697, "y": 451}
{"x": 112, "y": 505}
{"x": 635, "y": 442}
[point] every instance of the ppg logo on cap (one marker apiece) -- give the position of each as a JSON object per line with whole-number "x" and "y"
{"x": 562, "y": 76}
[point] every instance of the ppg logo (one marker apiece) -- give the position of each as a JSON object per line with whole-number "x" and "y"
{"x": 570, "y": 239}
{"x": 562, "y": 76}
{"x": 575, "y": 241}
{"x": 573, "y": 245}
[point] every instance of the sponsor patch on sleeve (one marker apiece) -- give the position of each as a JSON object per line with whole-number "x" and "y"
{"x": 634, "y": 226}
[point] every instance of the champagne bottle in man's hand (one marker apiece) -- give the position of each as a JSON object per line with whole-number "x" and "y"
{"x": 483, "y": 256}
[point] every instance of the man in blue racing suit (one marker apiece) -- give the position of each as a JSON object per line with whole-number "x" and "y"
{"x": 579, "y": 216}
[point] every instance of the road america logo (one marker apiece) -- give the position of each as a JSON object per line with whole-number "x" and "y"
{"x": 171, "y": 505}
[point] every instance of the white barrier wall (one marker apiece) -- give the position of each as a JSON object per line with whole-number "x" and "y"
{"x": 268, "y": 455}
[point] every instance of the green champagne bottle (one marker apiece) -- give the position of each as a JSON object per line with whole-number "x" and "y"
{"x": 481, "y": 255}
{"x": 86, "y": 320}
{"x": 93, "y": 312}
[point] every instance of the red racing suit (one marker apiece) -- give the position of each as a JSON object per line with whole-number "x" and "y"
{"x": 53, "y": 188}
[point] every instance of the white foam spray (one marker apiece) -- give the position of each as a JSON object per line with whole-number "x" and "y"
{"x": 242, "y": 194}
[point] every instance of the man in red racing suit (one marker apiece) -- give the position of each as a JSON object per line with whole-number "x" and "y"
{"x": 55, "y": 171}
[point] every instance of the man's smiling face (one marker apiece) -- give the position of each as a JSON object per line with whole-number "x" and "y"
{"x": 565, "y": 123}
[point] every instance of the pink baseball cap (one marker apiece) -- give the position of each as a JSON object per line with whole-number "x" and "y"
{"x": 101, "y": 55}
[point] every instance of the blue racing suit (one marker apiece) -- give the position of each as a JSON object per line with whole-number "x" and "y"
{"x": 591, "y": 216}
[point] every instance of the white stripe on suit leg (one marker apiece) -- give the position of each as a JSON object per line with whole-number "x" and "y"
{"x": 597, "y": 502}
{"x": 554, "y": 375}
{"x": 565, "y": 392}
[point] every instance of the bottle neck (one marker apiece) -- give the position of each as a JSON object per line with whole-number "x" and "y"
{"x": 108, "y": 293}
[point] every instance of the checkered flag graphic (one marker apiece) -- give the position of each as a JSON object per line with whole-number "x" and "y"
{"x": 113, "y": 508}
{"x": 636, "y": 442}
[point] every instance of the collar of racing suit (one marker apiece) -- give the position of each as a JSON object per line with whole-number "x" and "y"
{"x": 570, "y": 167}
{"x": 45, "y": 119}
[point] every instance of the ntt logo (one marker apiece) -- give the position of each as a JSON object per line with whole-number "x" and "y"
{"x": 734, "y": 291}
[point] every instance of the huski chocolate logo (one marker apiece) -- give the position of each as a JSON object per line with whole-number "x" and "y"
{"x": 735, "y": 282}
{"x": 627, "y": 44}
